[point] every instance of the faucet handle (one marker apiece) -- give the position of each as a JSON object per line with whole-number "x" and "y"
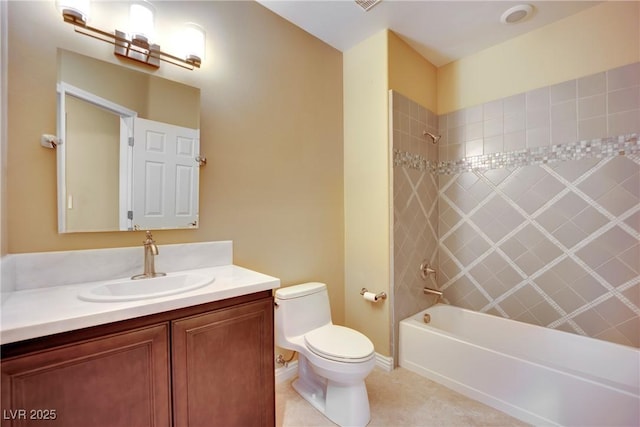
{"x": 426, "y": 270}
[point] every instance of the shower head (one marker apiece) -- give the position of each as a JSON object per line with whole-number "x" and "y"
{"x": 435, "y": 138}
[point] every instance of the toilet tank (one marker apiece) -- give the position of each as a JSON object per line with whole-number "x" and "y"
{"x": 300, "y": 309}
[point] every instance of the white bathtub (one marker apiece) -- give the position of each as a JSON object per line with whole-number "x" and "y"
{"x": 539, "y": 375}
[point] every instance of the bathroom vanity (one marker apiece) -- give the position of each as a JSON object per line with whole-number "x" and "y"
{"x": 198, "y": 358}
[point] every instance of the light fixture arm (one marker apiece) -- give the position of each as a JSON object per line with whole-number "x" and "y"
{"x": 136, "y": 49}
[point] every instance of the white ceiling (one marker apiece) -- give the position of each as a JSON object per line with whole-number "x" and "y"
{"x": 441, "y": 31}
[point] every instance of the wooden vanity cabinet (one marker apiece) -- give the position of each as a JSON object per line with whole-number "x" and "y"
{"x": 208, "y": 365}
{"x": 233, "y": 349}
{"x": 118, "y": 380}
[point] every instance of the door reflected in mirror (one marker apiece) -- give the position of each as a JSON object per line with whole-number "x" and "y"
{"x": 92, "y": 158}
{"x": 130, "y": 144}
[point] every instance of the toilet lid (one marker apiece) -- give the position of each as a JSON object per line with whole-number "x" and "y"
{"x": 339, "y": 343}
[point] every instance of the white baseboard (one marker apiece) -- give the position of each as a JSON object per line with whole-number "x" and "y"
{"x": 383, "y": 362}
{"x": 286, "y": 373}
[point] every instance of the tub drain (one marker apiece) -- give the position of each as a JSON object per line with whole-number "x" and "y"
{"x": 427, "y": 318}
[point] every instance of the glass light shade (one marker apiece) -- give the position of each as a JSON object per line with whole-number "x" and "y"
{"x": 141, "y": 20}
{"x": 193, "y": 41}
{"x": 78, "y": 9}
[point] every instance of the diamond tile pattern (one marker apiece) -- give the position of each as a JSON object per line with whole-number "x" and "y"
{"x": 566, "y": 260}
{"x": 415, "y": 212}
{"x": 553, "y": 244}
{"x": 561, "y": 249}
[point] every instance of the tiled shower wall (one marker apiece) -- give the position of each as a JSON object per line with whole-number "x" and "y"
{"x": 592, "y": 107}
{"x": 538, "y": 206}
{"x": 415, "y": 209}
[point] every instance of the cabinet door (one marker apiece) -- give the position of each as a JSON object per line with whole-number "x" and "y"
{"x": 223, "y": 368}
{"x": 117, "y": 380}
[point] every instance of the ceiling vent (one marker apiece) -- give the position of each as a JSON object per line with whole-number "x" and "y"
{"x": 367, "y": 4}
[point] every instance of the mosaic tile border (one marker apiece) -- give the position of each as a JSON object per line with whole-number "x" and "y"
{"x": 596, "y": 148}
{"x": 409, "y": 160}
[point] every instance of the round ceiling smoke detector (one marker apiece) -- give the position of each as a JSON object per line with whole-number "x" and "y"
{"x": 516, "y": 14}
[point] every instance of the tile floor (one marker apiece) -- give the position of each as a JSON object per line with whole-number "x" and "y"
{"x": 399, "y": 398}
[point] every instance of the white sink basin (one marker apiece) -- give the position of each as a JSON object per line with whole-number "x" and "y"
{"x": 131, "y": 290}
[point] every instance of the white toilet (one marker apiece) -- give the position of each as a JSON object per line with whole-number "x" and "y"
{"x": 333, "y": 361}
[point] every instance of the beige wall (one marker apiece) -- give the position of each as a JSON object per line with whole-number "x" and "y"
{"x": 600, "y": 38}
{"x": 411, "y": 74}
{"x": 366, "y": 187}
{"x": 3, "y": 129}
{"x": 271, "y": 129}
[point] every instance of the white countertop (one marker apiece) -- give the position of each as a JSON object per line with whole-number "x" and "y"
{"x": 35, "y": 313}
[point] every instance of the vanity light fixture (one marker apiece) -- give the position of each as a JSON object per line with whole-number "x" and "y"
{"x": 136, "y": 44}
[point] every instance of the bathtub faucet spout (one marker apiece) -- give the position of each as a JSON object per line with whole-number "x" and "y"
{"x": 429, "y": 291}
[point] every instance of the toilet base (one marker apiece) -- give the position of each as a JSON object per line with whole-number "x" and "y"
{"x": 344, "y": 404}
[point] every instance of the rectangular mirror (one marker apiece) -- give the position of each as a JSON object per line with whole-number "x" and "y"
{"x": 129, "y": 154}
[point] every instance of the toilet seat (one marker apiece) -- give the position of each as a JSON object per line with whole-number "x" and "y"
{"x": 340, "y": 344}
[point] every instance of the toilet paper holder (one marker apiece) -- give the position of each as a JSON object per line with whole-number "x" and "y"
{"x": 371, "y": 296}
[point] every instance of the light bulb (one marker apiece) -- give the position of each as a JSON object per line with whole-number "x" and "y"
{"x": 193, "y": 42}
{"x": 141, "y": 21}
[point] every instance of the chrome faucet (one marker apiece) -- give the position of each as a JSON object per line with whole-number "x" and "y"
{"x": 150, "y": 250}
